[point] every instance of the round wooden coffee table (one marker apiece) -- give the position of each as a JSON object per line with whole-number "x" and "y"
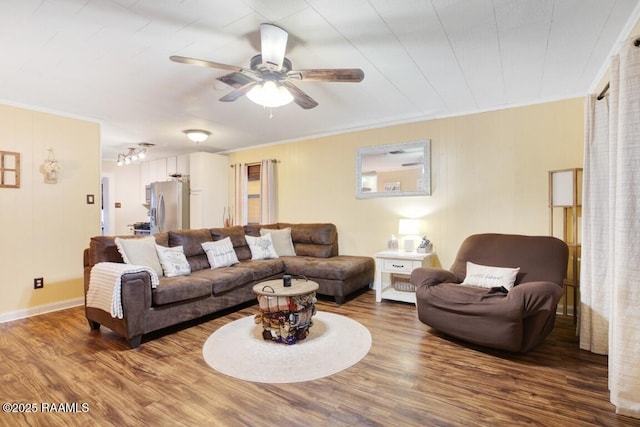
{"x": 286, "y": 312}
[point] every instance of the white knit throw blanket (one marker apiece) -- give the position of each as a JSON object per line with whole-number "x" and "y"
{"x": 105, "y": 283}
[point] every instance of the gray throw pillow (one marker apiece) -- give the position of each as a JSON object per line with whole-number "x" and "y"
{"x": 281, "y": 239}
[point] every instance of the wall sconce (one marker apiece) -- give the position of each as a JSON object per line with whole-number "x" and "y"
{"x": 134, "y": 154}
{"x": 409, "y": 228}
{"x": 51, "y": 168}
{"x": 197, "y": 135}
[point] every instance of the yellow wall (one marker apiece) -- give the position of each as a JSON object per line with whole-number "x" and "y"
{"x": 489, "y": 174}
{"x": 45, "y": 227}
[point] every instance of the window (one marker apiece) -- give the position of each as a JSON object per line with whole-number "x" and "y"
{"x": 10, "y": 169}
{"x": 253, "y": 193}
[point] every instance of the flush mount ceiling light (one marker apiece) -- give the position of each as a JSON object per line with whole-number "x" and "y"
{"x": 134, "y": 154}
{"x": 197, "y": 135}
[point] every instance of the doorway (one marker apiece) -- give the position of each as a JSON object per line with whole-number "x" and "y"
{"x": 107, "y": 210}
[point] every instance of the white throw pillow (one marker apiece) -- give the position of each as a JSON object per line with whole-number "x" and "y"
{"x": 173, "y": 261}
{"x": 261, "y": 247}
{"x": 220, "y": 253}
{"x": 140, "y": 251}
{"x": 281, "y": 240}
{"x": 490, "y": 277}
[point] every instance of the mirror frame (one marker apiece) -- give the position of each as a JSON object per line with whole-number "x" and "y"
{"x": 425, "y": 144}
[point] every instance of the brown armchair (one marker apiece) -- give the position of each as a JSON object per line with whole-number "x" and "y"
{"x": 516, "y": 320}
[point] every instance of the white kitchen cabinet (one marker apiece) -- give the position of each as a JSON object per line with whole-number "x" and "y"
{"x": 172, "y": 166}
{"x": 158, "y": 170}
{"x": 182, "y": 164}
{"x": 209, "y": 177}
{"x": 195, "y": 209}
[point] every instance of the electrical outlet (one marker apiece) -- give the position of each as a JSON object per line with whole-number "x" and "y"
{"x": 38, "y": 283}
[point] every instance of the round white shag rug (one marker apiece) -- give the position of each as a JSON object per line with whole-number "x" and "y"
{"x": 334, "y": 343}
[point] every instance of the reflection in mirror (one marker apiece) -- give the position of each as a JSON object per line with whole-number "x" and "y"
{"x": 390, "y": 170}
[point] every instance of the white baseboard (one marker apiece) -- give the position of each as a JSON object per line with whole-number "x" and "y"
{"x": 41, "y": 309}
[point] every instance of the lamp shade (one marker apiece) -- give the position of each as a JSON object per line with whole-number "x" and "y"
{"x": 409, "y": 227}
{"x": 565, "y": 187}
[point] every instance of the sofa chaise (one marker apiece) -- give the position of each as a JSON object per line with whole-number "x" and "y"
{"x": 207, "y": 290}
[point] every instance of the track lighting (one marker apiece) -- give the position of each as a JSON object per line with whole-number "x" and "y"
{"x": 134, "y": 154}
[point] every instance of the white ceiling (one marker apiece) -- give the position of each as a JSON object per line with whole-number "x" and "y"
{"x": 108, "y": 60}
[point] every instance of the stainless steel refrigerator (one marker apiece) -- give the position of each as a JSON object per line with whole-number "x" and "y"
{"x": 169, "y": 206}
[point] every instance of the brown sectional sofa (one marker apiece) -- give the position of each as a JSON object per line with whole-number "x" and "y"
{"x": 205, "y": 290}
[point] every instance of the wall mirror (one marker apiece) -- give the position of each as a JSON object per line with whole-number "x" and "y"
{"x": 392, "y": 170}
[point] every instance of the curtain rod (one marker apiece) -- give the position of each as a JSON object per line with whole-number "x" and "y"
{"x": 636, "y": 43}
{"x": 255, "y": 163}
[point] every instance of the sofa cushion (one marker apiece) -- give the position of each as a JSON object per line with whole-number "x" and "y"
{"x": 254, "y": 229}
{"x": 180, "y": 288}
{"x": 261, "y": 247}
{"x": 191, "y": 241}
{"x": 314, "y": 240}
{"x": 162, "y": 239}
{"x": 262, "y": 269}
{"x": 237, "y": 236}
{"x": 140, "y": 251}
{"x": 173, "y": 261}
{"x": 281, "y": 239}
{"x": 104, "y": 249}
{"x": 225, "y": 278}
{"x": 220, "y": 253}
{"x": 340, "y": 267}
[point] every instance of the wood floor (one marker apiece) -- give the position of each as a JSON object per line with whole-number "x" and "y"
{"x": 411, "y": 377}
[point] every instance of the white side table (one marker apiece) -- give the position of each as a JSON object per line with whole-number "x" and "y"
{"x": 397, "y": 262}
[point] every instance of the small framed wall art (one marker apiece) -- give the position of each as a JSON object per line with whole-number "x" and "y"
{"x": 9, "y": 169}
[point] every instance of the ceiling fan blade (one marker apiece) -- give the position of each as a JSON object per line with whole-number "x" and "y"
{"x": 274, "y": 44}
{"x": 348, "y": 75}
{"x": 299, "y": 97}
{"x": 203, "y": 63}
{"x": 237, "y": 93}
{"x": 239, "y": 79}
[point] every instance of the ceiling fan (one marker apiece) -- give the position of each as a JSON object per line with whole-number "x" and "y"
{"x": 270, "y": 73}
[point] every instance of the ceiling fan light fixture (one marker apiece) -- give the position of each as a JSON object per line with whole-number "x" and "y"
{"x": 270, "y": 94}
{"x": 197, "y": 135}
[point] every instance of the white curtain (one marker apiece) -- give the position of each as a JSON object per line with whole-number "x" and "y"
{"x": 268, "y": 198}
{"x": 240, "y": 194}
{"x": 597, "y": 226}
{"x": 610, "y": 276}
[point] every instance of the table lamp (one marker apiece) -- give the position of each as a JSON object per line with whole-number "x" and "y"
{"x": 409, "y": 228}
